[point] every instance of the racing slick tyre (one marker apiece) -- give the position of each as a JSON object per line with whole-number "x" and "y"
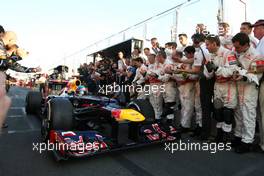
{"x": 33, "y": 102}
{"x": 59, "y": 117}
{"x": 61, "y": 114}
{"x": 144, "y": 107}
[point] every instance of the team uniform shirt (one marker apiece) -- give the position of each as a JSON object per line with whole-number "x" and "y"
{"x": 155, "y": 96}
{"x": 168, "y": 60}
{"x": 253, "y": 41}
{"x": 247, "y": 99}
{"x": 223, "y": 61}
{"x": 260, "y": 46}
{"x": 189, "y": 95}
{"x": 154, "y": 69}
{"x": 226, "y": 41}
{"x": 246, "y": 59}
{"x": 139, "y": 77}
{"x": 181, "y": 48}
{"x": 169, "y": 95}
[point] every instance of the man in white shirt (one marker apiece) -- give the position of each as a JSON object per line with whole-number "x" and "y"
{"x": 246, "y": 28}
{"x": 206, "y": 85}
{"x": 246, "y": 112}
{"x": 183, "y": 39}
{"x": 139, "y": 79}
{"x": 169, "y": 50}
{"x": 121, "y": 67}
{"x": 155, "y": 85}
{"x": 225, "y": 92}
{"x": 259, "y": 34}
{"x": 224, "y": 36}
{"x": 190, "y": 90}
{"x": 155, "y": 46}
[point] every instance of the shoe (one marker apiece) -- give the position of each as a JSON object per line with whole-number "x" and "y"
{"x": 196, "y": 132}
{"x": 184, "y": 130}
{"x": 203, "y": 137}
{"x": 206, "y": 138}
{"x": 158, "y": 121}
{"x": 219, "y": 135}
{"x": 256, "y": 148}
{"x": 5, "y": 125}
{"x": 243, "y": 148}
{"x": 227, "y": 137}
{"x": 179, "y": 107}
{"x": 169, "y": 121}
{"x": 236, "y": 142}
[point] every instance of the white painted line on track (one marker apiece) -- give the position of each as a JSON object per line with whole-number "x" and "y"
{"x": 21, "y": 131}
{"x": 16, "y": 107}
{"x": 14, "y": 116}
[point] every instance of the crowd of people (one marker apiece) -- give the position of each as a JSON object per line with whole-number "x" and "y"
{"x": 210, "y": 77}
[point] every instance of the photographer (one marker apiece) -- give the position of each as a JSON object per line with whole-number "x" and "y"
{"x": 139, "y": 79}
{"x": 225, "y": 90}
{"x": 10, "y": 54}
{"x": 206, "y": 85}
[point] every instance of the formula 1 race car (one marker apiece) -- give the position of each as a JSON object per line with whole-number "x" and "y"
{"x": 81, "y": 126}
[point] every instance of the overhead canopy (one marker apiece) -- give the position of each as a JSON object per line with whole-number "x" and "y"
{"x": 61, "y": 68}
{"x": 126, "y": 47}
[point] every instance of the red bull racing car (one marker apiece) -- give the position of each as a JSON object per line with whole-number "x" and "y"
{"x": 82, "y": 126}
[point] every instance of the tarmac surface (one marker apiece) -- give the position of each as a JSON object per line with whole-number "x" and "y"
{"x": 17, "y": 156}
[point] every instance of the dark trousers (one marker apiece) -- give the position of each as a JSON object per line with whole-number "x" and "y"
{"x": 42, "y": 87}
{"x": 206, "y": 96}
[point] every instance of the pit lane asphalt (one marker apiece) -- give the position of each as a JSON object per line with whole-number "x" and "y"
{"x": 18, "y": 158}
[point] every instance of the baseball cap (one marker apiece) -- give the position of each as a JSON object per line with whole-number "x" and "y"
{"x": 258, "y": 23}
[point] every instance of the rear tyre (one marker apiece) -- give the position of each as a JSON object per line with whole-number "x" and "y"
{"x": 59, "y": 117}
{"x": 144, "y": 107}
{"x": 33, "y": 102}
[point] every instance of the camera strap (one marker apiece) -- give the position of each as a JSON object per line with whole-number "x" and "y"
{"x": 202, "y": 76}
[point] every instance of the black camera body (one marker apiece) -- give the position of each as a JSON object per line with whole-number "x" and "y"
{"x": 4, "y": 64}
{"x": 7, "y": 62}
{"x": 211, "y": 67}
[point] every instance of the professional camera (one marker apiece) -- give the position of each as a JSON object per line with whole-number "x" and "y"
{"x": 6, "y": 62}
